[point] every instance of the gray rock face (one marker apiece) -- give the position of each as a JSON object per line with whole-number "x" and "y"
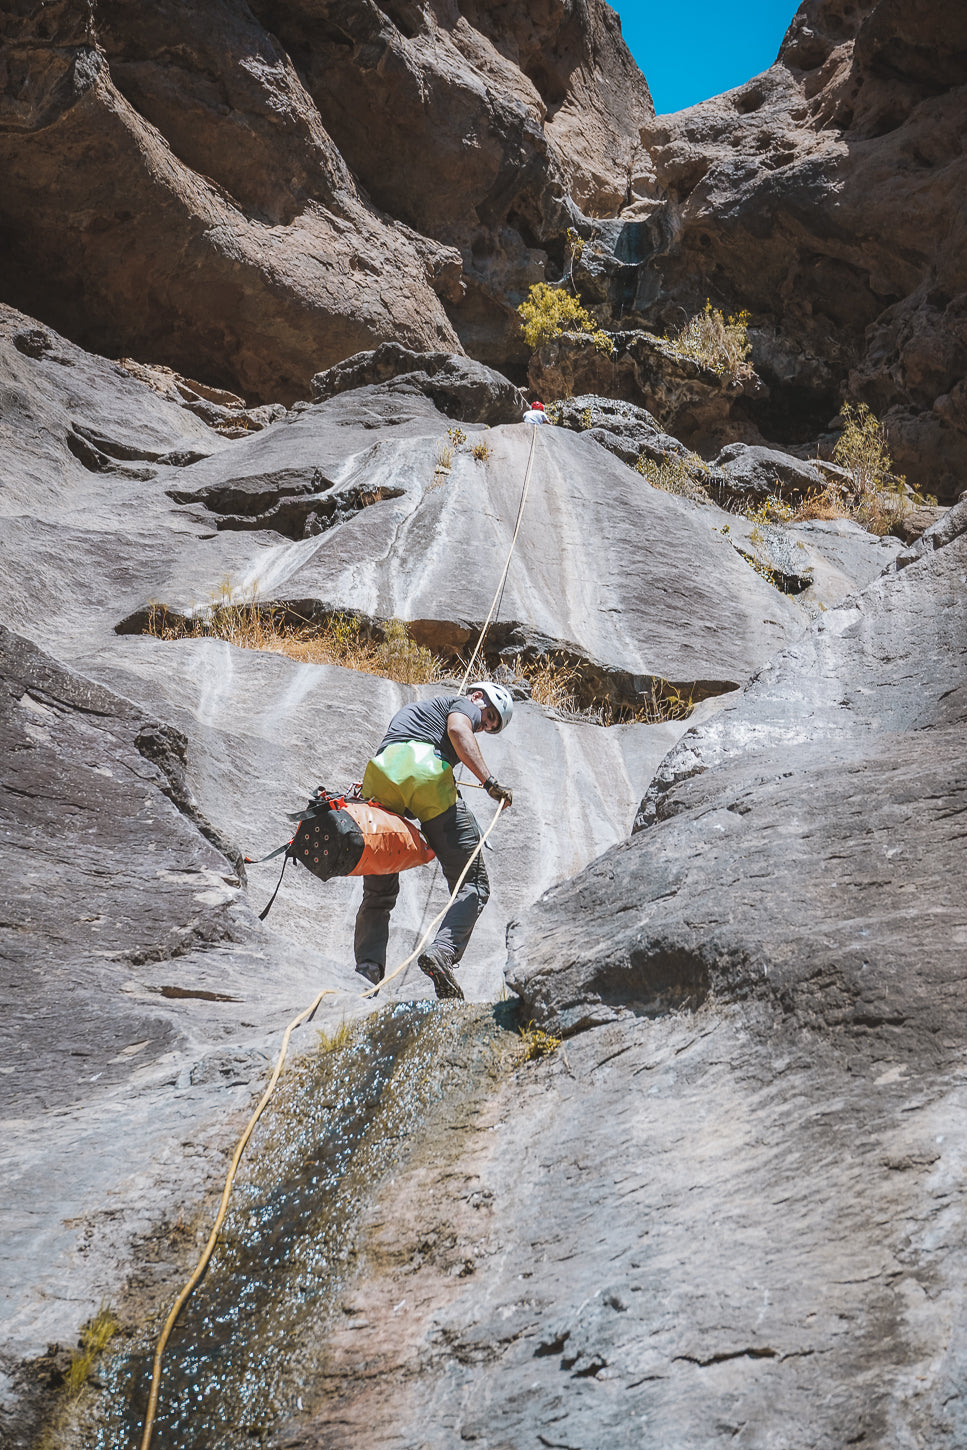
{"x": 777, "y": 832}
{"x": 140, "y": 770}
{"x": 651, "y": 1281}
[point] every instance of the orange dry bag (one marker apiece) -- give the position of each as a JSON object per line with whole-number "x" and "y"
{"x": 340, "y": 837}
{"x": 349, "y": 837}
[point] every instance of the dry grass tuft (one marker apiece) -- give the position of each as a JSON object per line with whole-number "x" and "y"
{"x": 95, "y": 1336}
{"x": 824, "y": 503}
{"x": 339, "y": 641}
{"x": 675, "y": 474}
{"x": 341, "y": 1036}
{"x": 721, "y": 343}
{"x": 556, "y": 683}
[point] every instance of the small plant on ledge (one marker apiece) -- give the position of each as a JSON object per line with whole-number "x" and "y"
{"x": 550, "y": 311}
{"x": 721, "y": 343}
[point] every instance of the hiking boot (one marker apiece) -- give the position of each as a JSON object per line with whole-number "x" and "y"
{"x": 372, "y": 971}
{"x": 441, "y": 975}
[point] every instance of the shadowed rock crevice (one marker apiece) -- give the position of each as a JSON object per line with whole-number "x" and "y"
{"x": 574, "y": 684}
{"x": 653, "y": 983}
{"x": 167, "y": 749}
{"x": 292, "y": 502}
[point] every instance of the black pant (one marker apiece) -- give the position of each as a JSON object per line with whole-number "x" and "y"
{"x": 453, "y": 836}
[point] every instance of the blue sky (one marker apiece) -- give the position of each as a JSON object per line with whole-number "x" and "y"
{"x": 692, "y": 49}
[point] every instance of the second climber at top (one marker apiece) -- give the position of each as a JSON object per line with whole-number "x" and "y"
{"x": 412, "y": 773}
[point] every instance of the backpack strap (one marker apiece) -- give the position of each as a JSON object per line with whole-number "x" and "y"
{"x": 285, "y": 862}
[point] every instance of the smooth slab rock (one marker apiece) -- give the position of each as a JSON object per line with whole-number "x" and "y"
{"x": 803, "y": 846}
{"x": 265, "y": 731}
{"x": 133, "y": 973}
{"x": 820, "y": 562}
{"x": 433, "y": 550}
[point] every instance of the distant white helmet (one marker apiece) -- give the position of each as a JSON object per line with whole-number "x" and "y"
{"x": 497, "y": 696}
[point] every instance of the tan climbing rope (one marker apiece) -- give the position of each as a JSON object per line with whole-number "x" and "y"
{"x": 499, "y": 590}
{"x": 308, "y": 1012}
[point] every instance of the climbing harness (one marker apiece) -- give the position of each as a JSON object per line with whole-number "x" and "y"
{"x": 325, "y": 808}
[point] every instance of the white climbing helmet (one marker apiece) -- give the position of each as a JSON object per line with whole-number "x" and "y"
{"x": 497, "y": 696}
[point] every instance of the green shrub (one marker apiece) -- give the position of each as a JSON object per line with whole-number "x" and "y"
{"x": 875, "y": 496}
{"x": 549, "y": 311}
{"x": 861, "y": 449}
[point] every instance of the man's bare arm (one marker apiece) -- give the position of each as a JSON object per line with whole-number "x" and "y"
{"x": 465, "y": 744}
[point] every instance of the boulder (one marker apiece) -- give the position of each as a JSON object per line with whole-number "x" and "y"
{"x": 753, "y": 473}
{"x": 697, "y": 403}
{"x": 625, "y": 429}
{"x": 458, "y": 387}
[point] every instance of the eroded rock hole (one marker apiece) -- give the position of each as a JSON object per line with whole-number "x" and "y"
{"x": 654, "y": 983}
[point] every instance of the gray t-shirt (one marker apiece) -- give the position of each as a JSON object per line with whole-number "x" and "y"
{"x": 427, "y": 720}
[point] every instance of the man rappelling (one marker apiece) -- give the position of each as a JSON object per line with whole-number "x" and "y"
{"x": 412, "y": 773}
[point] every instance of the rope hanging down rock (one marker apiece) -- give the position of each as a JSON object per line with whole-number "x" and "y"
{"x": 498, "y": 592}
{"x": 308, "y": 1013}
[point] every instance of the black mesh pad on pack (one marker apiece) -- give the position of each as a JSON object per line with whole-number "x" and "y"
{"x": 328, "y": 844}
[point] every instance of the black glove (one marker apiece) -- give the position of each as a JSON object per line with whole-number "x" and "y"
{"x": 498, "y": 792}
